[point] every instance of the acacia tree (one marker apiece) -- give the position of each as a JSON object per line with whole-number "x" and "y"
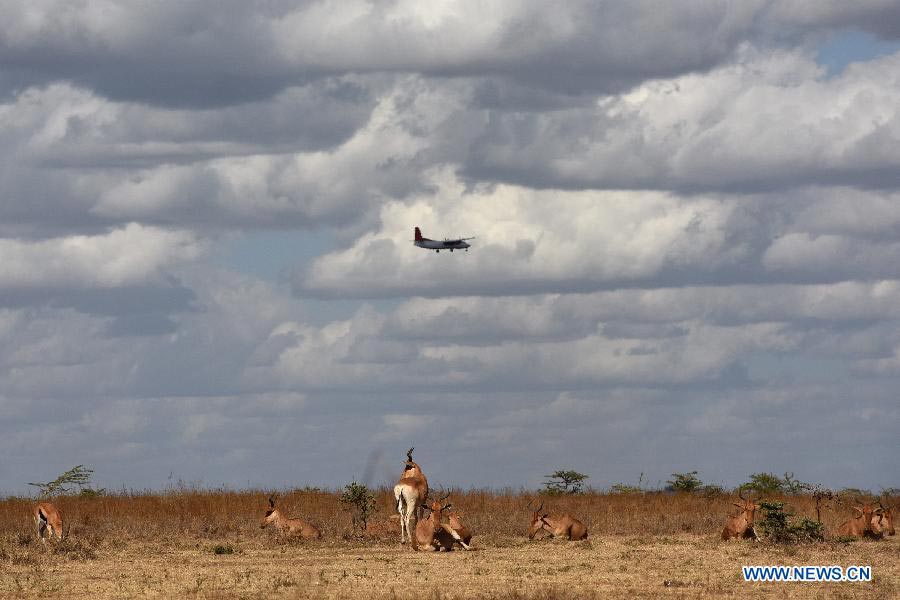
{"x": 565, "y": 482}
{"x": 684, "y": 482}
{"x": 78, "y": 475}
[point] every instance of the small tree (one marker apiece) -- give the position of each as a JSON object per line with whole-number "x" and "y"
{"x": 77, "y": 475}
{"x": 821, "y": 494}
{"x": 360, "y": 501}
{"x": 564, "y": 482}
{"x": 778, "y": 528}
{"x": 793, "y": 486}
{"x": 764, "y": 484}
{"x": 684, "y": 482}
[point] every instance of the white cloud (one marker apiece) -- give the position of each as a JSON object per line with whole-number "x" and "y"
{"x": 133, "y": 254}
{"x": 767, "y": 120}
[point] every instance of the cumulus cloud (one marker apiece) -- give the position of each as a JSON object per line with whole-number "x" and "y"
{"x": 686, "y": 233}
{"x": 767, "y": 120}
{"x": 527, "y": 242}
{"x": 131, "y": 255}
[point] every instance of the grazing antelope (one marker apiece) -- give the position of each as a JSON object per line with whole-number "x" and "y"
{"x": 289, "y": 526}
{"x": 48, "y": 519}
{"x": 410, "y": 492}
{"x": 885, "y": 523}
{"x": 741, "y": 524}
{"x": 563, "y": 525}
{"x": 456, "y": 525}
{"x": 862, "y": 525}
{"x": 431, "y": 533}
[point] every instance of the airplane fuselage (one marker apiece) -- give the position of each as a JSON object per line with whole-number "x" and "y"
{"x": 442, "y": 245}
{"x": 437, "y": 245}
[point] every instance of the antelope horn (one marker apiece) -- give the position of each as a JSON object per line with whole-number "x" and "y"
{"x": 409, "y": 454}
{"x": 540, "y": 508}
{"x": 272, "y": 501}
{"x": 445, "y": 496}
{"x": 741, "y": 493}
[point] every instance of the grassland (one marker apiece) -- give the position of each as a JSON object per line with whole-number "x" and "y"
{"x": 208, "y": 544}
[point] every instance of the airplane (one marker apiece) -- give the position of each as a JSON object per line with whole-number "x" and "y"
{"x": 437, "y": 246}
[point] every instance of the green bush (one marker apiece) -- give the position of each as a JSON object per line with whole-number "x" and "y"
{"x": 360, "y": 501}
{"x": 684, "y": 482}
{"x": 778, "y": 528}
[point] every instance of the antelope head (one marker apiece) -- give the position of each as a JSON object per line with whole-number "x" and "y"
{"x": 537, "y": 520}
{"x": 437, "y": 506}
{"x": 867, "y": 512}
{"x": 747, "y": 505}
{"x": 270, "y": 513}
{"x": 410, "y": 464}
{"x": 886, "y": 519}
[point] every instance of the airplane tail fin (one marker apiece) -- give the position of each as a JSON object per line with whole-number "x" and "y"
{"x": 418, "y": 235}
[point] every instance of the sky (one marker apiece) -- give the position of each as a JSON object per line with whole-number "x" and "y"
{"x": 687, "y": 253}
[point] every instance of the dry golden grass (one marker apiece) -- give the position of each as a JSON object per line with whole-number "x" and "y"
{"x": 164, "y": 545}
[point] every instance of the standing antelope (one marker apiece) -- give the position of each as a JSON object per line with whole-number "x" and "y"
{"x": 410, "y": 492}
{"x": 431, "y": 533}
{"x": 741, "y": 524}
{"x": 864, "y": 524}
{"x": 48, "y": 519}
{"x": 289, "y": 526}
{"x": 456, "y": 525}
{"x": 563, "y": 525}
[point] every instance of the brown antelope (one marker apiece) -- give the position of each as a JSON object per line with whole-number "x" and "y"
{"x": 563, "y": 525}
{"x": 431, "y": 533}
{"x": 48, "y": 519}
{"x": 741, "y": 524}
{"x": 289, "y": 526}
{"x": 862, "y": 525}
{"x": 410, "y": 492}
{"x": 456, "y": 525}
{"x": 885, "y": 523}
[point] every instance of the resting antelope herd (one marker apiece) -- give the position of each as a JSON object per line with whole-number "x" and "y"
{"x": 865, "y": 523}
{"x": 874, "y": 520}
{"x": 431, "y": 533}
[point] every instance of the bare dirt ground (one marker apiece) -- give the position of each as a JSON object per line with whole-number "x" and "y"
{"x": 613, "y": 566}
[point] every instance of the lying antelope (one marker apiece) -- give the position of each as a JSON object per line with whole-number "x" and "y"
{"x": 862, "y": 525}
{"x": 289, "y": 526}
{"x": 741, "y": 524}
{"x": 885, "y": 523}
{"x": 563, "y": 525}
{"x": 49, "y": 520}
{"x": 410, "y": 492}
{"x": 431, "y": 533}
{"x": 456, "y": 525}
